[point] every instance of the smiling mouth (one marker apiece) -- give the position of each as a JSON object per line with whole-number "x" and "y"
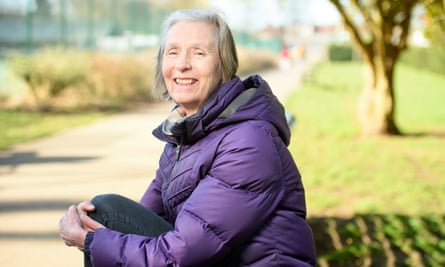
{"x": 184, "y": 81}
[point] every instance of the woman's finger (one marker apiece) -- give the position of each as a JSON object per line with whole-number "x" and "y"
{"x": 85, "y": 206}
{"x": 89, "y": 224}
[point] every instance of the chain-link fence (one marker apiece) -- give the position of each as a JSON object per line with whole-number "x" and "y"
{"x": 83, "y": 24}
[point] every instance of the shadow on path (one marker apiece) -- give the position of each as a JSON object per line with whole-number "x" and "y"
{"x": 19, "y": 158}
{"x": 29, "y": 206}
{"x": 29, "y": 236}
{"x": 44, "y": 205}
{"x": 16, "y": 159}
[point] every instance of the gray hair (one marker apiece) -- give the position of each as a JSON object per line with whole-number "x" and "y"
{"x": 224, "y": 40}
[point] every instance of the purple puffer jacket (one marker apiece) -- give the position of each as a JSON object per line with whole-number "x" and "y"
{"x": 230, "y": 187}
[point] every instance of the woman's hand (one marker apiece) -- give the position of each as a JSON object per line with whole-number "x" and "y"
{"x": 75, "y": 223}
{"x": 70, "y": 228}
{"x": 89, "y": 224}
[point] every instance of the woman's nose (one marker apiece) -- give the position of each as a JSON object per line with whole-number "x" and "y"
{"x": 183, "y": 62}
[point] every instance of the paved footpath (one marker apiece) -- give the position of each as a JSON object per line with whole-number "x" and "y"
{"x": 39, "y": 180}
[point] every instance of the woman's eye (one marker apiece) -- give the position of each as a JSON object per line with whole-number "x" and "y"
{"x": 199, "y": 53}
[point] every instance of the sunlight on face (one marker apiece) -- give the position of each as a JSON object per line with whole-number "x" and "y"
{"x": 191, "y": 64}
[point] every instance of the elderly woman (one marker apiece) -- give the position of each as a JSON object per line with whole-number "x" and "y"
{"x": 227, "y": 191}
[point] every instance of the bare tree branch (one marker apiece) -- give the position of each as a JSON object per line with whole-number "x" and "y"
{"x": 352, "y": 28}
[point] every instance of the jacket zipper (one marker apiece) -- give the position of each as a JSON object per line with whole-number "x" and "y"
{"x": 178, "y": 149}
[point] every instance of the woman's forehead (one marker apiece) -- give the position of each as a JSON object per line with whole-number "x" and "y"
{"x": 192, "y": 27}
{"x": 191, "y": 32}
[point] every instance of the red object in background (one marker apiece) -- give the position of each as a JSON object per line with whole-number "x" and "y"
{"x": 284, "y": 53}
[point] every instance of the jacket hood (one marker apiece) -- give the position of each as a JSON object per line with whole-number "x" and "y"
{"x": 235, "y": 101}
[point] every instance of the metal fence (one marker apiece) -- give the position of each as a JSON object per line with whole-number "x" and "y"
{"x": 84, "y": 24}
{"x": 118, "y": 25}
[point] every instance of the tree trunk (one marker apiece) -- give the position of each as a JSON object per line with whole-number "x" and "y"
{"x": 377, "y": 102}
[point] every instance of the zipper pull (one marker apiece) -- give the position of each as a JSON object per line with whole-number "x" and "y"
{"x": 178, "y": 152}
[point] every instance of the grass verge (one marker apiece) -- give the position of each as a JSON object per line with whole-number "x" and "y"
{"x": 375, "y": 201}
{"x": 23, "y": 126}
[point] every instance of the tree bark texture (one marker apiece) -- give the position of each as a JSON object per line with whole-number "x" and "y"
{"x": 377, "y": 103}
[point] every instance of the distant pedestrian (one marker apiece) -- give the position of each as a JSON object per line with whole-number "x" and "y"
{"x": 285, "y": 59}
{"x": 227, "y": 191}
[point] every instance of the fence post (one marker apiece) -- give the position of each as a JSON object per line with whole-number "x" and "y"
{"x": 90, "y": 24}
{"x": 30, "y": 7}
{"x": 63, "y": 23}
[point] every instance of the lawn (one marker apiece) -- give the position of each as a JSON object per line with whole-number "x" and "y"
{"x": 372, "y": 201}
{"x": 23, "y": 126}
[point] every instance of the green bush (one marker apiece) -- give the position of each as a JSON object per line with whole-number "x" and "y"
{"x": 431, "y": 59}
{"x": 122, "y": 76}
{"x": 68, "y": 78}
{"x": 50, "y": 72}
{"x": 255, "y": 60}
{"x": 341, "y": 53}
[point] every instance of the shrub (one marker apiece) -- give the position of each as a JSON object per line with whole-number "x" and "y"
{"x": 49, "y": 72}
{"x": 255, "y": 60}
{"x": 431, "y": 59}
{"x": 341, "y": 53}
{"x": 69, "y": 78}
{"x": 122, "y": 76}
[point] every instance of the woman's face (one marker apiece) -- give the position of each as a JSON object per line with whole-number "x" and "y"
{"x": 190, "y": 64}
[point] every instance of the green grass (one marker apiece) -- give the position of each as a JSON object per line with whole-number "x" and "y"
{"x": 421, "y": 107}
{"x": 22, "y": 126}
{"x": 336, "y": 163}
{"x": 393, "y": 185}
